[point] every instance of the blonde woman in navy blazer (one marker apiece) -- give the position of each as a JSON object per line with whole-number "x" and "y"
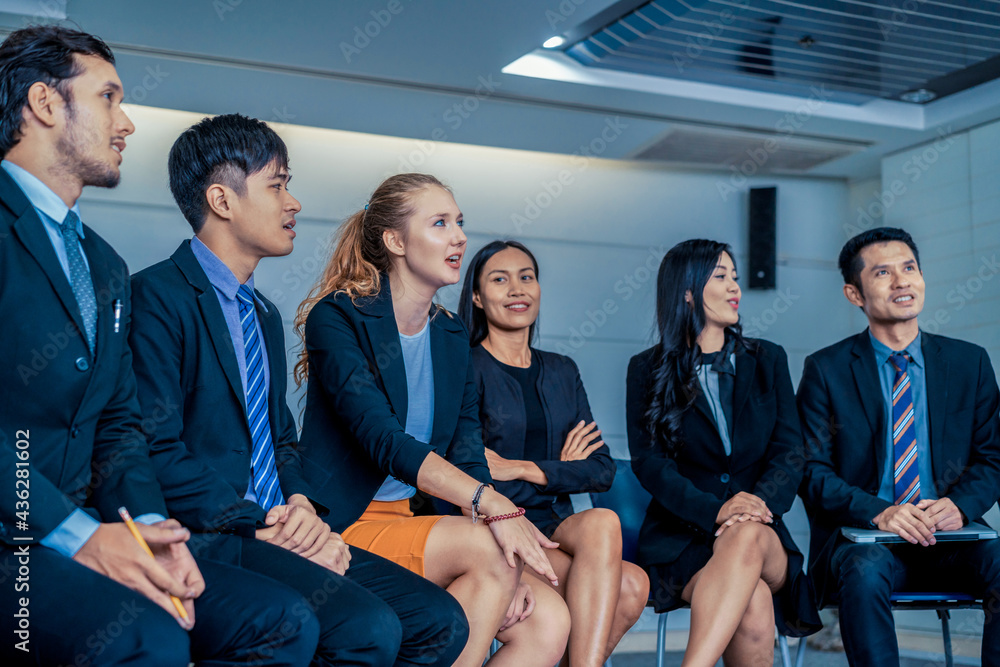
{"x": 373, "y": 302}
{"x": 543, "y": 444}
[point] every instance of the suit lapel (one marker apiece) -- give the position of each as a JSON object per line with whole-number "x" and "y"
{"x": 383, "y": 336}
{"x": 870, "y": 391}
{"x": 32, "y": 234}
{"x": 936, "y": 386}
{"x": 746, "y": 369}
{"x": 211, "y": 313}
{"x": 218, "y": 331}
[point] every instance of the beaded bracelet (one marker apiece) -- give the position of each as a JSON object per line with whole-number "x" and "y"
{"x": 500, "y": 517}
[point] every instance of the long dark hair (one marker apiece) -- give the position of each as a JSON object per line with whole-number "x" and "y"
{"x": 473, "y": 317}
{"x": 687, "y": 266}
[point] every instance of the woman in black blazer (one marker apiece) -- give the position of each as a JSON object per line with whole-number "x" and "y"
{"x": 714, "y": 436}
{"x": 391, "y": 407}
{"x": 542, "y": 445}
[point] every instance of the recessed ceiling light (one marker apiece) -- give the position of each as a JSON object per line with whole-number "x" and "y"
{"x": 918, "y": 96}
{"x": 554, "y": 42}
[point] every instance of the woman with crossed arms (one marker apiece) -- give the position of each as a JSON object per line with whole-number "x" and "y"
{"x": 542, "y": 445}
{"x": 391, "y": 406}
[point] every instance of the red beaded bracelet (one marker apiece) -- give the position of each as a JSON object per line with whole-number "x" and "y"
{"x": 500, "y": 517}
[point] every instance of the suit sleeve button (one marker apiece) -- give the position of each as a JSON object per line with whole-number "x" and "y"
{"x": 82, "y": 364}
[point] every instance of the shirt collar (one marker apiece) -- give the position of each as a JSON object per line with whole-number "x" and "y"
{"x": 219, "y": 274}
{"x": 41, "y": 196}
{"x": 883, "y": 351}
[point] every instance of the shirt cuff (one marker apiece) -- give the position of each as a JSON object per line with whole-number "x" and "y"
{"x": 149, "y": 519}
{"x": 70, "y": 535}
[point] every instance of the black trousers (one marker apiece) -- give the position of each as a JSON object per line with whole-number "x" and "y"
{"x": 377, "y": 614}
{"x": 79, "y": 617}
{"x": 869, "y": 573}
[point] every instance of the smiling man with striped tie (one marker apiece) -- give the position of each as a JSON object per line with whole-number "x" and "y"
{"x": 903, "y": 435}
{"x": 209, "y": 358}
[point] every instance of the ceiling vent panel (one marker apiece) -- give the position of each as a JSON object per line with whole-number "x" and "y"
{"x": 748, "y": 152}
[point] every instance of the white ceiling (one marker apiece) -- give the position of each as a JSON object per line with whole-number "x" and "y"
{"x": 434, "y": 70}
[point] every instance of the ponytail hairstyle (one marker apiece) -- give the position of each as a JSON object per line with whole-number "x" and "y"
{"x": 473, "y": 317}
{"x": 360, "y": 256}
{"x": 687, "y": 267}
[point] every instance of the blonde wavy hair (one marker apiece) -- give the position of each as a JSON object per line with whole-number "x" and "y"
{"x": 360, "y": 256}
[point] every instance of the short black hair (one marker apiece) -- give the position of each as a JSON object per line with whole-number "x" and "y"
{"x": 221, "y": 149}
{"x": 850, "y": 261}
{"x": 39, "y": 53}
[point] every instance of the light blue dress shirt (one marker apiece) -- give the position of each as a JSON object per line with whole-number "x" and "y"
{"x": 78, "y": 527}
{"x": 226, "y": 286}
{"x": 886, "y": 374}
{"x": 419, "y": 404}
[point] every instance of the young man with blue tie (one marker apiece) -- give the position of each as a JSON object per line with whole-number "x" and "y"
{"x": 76, "y": 586}
{"x": 904, "y": 436}
{"x": 207, "y": 342}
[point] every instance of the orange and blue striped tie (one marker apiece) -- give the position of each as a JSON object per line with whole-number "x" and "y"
{"x": 904, "y": 434}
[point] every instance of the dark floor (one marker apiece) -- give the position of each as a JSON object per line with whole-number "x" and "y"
{"x": 812, "y": 659}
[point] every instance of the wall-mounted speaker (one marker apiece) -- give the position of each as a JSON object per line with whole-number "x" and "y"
{"x": 763, "y": 242}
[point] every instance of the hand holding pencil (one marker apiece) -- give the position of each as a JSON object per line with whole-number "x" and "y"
{"x": 114, "y": 552}
{"x": 127, "y": 518}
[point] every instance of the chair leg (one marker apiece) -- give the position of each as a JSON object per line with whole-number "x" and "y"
{"x": 800, "y": 655}
{"x": 786, "y": 658}
{"x": 945, "y": 616}
{"x": 661, "y": 639}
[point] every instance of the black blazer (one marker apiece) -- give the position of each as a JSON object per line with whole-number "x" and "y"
{"x": 690, "y": 488}
{"x": 840, "y": 401}
{"x": 69, "y": 414}
{"x": 564, "y": 403}
{"x": 352, "y": 432}
{"x": 192, "y": 396}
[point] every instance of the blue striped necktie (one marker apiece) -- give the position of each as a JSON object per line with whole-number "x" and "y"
{"x": 262, "y": 464}
{"x": 904, "y": 435}
{"x": 79, "y": 278}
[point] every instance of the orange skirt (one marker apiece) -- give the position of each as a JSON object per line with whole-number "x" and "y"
{"x": 390, "y": 530}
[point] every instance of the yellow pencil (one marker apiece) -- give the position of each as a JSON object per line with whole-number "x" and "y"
{"x": 127, "y": 518}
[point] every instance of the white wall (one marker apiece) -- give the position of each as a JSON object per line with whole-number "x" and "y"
{"x": 599, "y": 235}
{"x": 950, "y": 204}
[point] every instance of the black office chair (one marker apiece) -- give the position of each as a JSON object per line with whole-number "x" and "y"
{"x": 629, "y": 500}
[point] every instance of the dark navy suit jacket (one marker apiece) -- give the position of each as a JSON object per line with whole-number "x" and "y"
{"x": 690, "y": 487}
{"x": 564, "y": 403}
{"x": 352, "y": 432}
{"x": 192, "y": 396}
{"x": 77, "y": 415}
{"x": 840, "y": 401}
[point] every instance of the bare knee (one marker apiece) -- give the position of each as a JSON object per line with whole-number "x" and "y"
{"x": 749, "y": 539}
{"x": 485, "y": 560}
{"x": 757, "y": 624}
{"x": 634, "y": 593}
{"x": 602, "y": 527}
{"x": 548, "y": 629}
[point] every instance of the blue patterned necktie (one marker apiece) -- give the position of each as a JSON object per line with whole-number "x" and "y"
{"x": 262, "y": 465}
{"x": 904, "y": 435}
{"x": 79, "y": 278}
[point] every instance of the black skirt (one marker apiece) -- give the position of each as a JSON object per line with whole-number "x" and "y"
{"x": 795, "y": 612}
